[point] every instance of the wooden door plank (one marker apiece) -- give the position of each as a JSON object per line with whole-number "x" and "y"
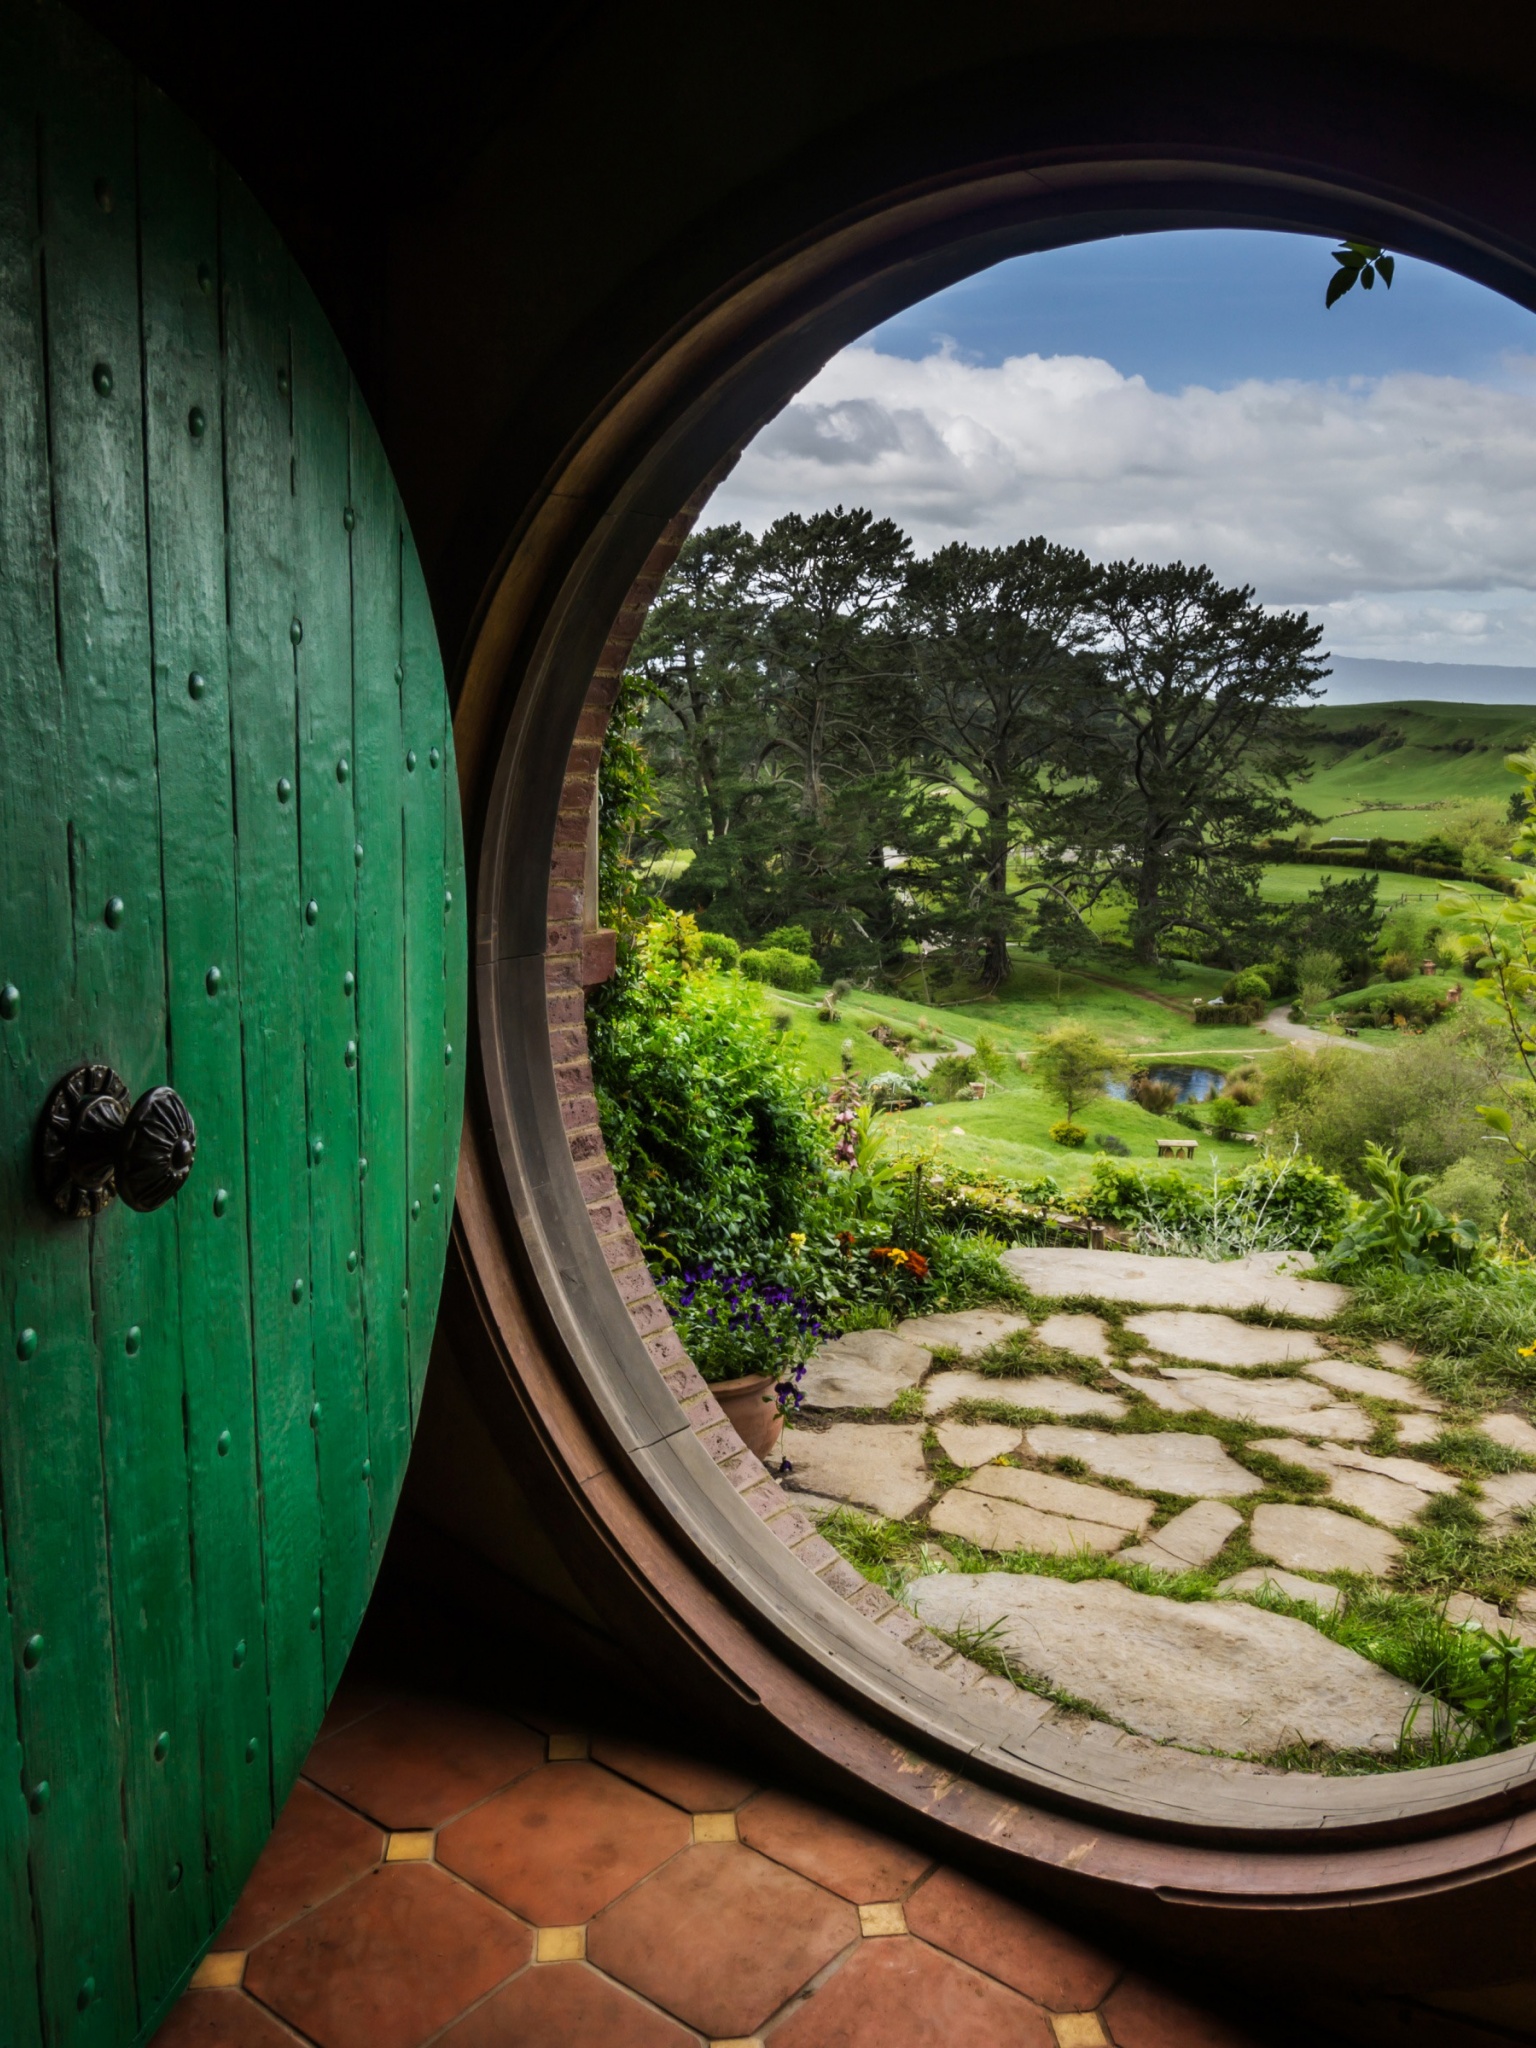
{"x": 44, "y": 1279}
{"x": 455, "y": 986}
{"x": 183, "y": 412}
{"x": 263, "y": 592}
{"x": 328, "y": 839}
{"x": 379, "y": 778}
{"x": 96, "y": 397}
{"x": 424, "y": 722}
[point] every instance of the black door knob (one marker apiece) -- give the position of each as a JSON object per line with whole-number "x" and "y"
{"x": 95, "y": 1143}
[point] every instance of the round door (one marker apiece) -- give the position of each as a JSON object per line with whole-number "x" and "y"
{"x": 232, "y": 988}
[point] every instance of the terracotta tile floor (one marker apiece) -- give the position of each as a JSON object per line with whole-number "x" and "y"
{"x": 448, "y": 1874}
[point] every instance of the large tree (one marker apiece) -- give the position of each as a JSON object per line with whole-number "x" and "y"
{"x": 826, "y": 589}
{"x": 1190, "y": 748}
{"x": 771, "y": 664}
{"x": 996, "y": 640}
{"x": 696, "y": 656}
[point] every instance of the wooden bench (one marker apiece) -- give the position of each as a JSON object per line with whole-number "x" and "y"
{"x": 1176, "y": 1148}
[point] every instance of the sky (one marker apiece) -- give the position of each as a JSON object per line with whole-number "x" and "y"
{"x": 1187, "y": 396}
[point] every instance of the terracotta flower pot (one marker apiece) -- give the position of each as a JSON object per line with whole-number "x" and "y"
{"x": 751, "y": 1409}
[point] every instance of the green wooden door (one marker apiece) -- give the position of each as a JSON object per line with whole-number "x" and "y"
{"x": 230, "y": 862}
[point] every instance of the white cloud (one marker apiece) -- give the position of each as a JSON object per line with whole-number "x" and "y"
{"x": 1400, "y": 510}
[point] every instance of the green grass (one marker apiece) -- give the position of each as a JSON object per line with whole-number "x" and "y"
{"x": 1410, "y": 754}
{"x": 1399, "y": 995}
{"x": 1402, "y": 1629}
{"x": 1008, "y": 1132}
{"x": 1291, "y": 880}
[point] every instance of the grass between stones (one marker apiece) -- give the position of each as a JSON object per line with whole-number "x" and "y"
{"x": 1406, "y": 1635}
{"x": 1473, "y": 1336}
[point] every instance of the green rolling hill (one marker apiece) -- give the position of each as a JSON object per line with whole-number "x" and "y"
{"x": 1409, "y": 754}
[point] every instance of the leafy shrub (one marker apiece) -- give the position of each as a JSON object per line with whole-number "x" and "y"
{"x": 1245, "y": 1086}
{"x": 1402, "y": 1227}
{"x": 989, "y": 1057}
{"x": 789, "y": 938}
{"x": 1469, "y": 1187}
{"x": 1065, "y": 1132}
{"x": 1396, "y": 967}
{"x": 781, "y": 969}
{"x": 950, "y": 1075}
{"x": 1154, "y": 1096}
{"x": 1251, "y": 986}
{"x": 1438, "y": 852}
{"x": 1420, "y": 1000}
{"x": 1130, "y": 1194}
{"x": 1005, "y": 1209}
{"x": 712, "y": 1142}
{"x": 1418, "y": 1100}
{"x": 1106, "y": 1141}
{"x": 1286, "y": 1204}
{"x": 895, "y": 1090}
{"x": 1280, "y": 976}
{"x": 1410, "y": 931}
{"x": 719, "y": 947}
{"x": 1228, "y": 1014}
{"x": 1224, "y": 1116}
{"x": 965, "y": 1270}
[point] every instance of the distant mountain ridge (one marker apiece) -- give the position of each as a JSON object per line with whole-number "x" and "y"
{"x": 1358, "y": 680}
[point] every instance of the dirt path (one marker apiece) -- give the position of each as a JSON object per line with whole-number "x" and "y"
{"x": 923, "y": 1063}
{"x": 1278, "y": 1024}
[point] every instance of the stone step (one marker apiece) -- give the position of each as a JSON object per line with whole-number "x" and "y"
{"x": 1166, "y": 1461}
{"x": 1211, "y": 1673}
{"x": 1272, "y": 1280}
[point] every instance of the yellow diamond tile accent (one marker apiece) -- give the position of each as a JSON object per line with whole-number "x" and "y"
{"x": 567, "y": 1749}
{"x": 219, "y": 1970}
{"x": 714, "y": 1827}
{"x": 1078, "y": 2030}
{"x": 559, "y": 1944}
{"x": 888, "y": 1918}
{"x": 410, "y": 1845}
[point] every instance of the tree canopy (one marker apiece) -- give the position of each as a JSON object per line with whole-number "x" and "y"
{"x": 974, "y": 750}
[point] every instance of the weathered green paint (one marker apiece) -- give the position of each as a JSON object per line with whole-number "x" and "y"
{"x": 339, "y": 1419}
{"x": 202, "y": 1446}
{"x": 180, "y": 215}
{"x": 434, "y": 1036}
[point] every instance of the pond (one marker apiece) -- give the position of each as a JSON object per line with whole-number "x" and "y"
{"x": 1195, "y": 1084}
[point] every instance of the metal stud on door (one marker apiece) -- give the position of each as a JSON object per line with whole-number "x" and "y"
{"x": 227, "y": 988}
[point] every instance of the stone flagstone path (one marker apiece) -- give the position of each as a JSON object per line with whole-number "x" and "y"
{"x": 1244, "y": 1679}
{"x": 1098, "y": 1434}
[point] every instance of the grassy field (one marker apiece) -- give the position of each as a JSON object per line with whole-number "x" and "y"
{"x": 1290, "y": 881}
{"x": 1410, "y": 755}
{"x": 1007, "y": 1132}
